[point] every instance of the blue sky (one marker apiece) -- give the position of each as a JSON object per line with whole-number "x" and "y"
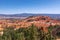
{"x": 29, "y": 6}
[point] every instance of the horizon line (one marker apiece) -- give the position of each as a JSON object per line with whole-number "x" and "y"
{"x": 30, "y": 13}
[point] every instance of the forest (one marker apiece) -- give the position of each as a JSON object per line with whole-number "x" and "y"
{"x": 30, "y": 33}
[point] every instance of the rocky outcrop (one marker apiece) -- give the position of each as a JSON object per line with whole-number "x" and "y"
{"x": 38, "y": 21}
{"x": 41, "y": 21}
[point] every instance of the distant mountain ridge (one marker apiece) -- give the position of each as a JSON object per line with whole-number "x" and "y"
{"x": 30, "y": 14}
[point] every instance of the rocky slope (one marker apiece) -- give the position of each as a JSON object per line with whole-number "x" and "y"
{"x": 39, "y": 21}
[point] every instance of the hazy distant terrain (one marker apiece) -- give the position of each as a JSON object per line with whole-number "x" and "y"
{"x": 24, "y": 15}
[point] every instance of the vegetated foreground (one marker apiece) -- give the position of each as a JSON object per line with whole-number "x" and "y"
{"x": 31, "y": 28}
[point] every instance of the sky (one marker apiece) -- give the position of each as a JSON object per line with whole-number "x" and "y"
{"x": 29, "y": 6}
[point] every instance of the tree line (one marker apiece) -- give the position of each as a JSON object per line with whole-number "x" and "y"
{"x": 30, "y": 33}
